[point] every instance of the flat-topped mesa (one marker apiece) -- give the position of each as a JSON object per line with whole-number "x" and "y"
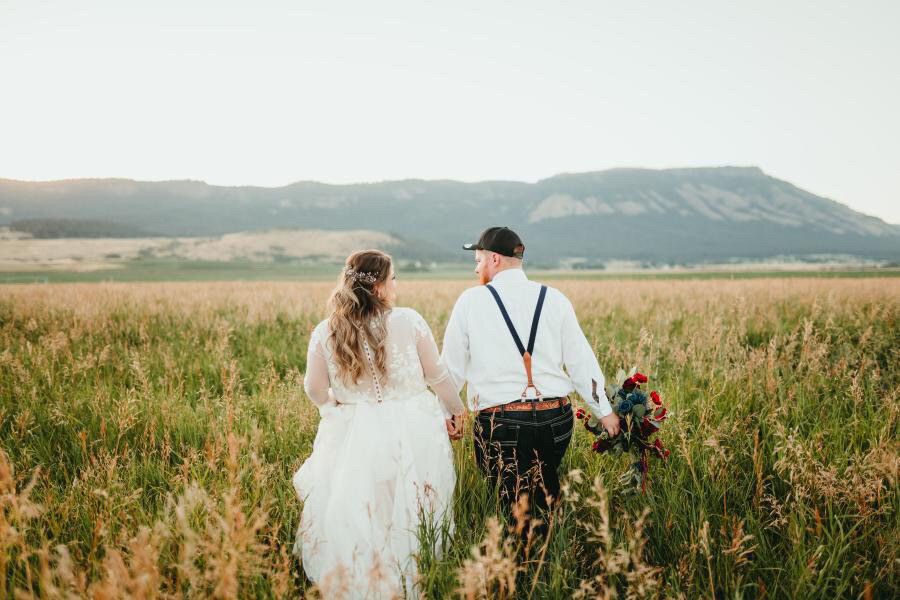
{"x": 689, "y": 213}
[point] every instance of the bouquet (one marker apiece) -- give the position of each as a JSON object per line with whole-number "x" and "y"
{"x": 641, "y": 416}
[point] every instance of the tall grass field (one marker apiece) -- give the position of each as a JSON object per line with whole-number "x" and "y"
{"x": 149, "y": 432}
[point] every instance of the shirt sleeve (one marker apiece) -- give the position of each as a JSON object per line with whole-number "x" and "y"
{"x": 436, "y": 373}
{"x": 582, "y": 365}
{"x": 455, "y": 352}
{"x": 316, "y": 383}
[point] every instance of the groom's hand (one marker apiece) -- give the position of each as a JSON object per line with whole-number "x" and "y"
{"x": 611, "y": 424}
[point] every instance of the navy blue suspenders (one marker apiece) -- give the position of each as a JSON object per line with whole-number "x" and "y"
{"x": 525, "y": 352}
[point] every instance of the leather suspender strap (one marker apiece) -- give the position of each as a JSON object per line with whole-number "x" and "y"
{"x": 525, "y": 352}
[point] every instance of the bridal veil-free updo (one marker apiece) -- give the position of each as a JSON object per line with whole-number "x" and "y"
{"x": 357, "y": 315}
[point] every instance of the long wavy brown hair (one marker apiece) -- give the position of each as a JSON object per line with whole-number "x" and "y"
{"x": 357, "y": 314}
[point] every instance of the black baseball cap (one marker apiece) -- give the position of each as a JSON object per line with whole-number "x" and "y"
{"x": 501, "y": 240}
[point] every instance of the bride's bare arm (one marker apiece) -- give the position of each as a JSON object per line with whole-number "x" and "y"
{"x": 436, "y": 373}
{"x": 316, "y": 381}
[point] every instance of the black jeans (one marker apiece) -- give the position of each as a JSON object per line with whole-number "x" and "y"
{"x": 522, "y": 450}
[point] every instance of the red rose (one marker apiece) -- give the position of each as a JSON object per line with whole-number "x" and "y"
{"x": 654, "y": 395}
{"x": 628, "y": 384}
{"x": 640, "y": 378}
{"x": 648, "y": 427}
{"x": 580, "y": 413}
{"x": 662, "y": 450}
{"x": 601, "y": 445}
{"x": 660, "y": 413}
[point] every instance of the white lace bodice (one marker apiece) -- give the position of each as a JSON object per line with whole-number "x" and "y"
{"x": 412, "y": 362}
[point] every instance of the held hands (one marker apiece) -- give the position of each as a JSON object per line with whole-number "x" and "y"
{"x": 455, "y": 427}
{"x": 611, "y": 424}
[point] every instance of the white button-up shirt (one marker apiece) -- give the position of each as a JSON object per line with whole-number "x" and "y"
{"x": 479, "y": 348}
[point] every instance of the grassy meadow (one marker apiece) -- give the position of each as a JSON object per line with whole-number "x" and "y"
{"x": 167, "y": 269}
{"x": 149, "y": 431}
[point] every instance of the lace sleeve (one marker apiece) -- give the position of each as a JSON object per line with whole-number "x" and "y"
{"x": 436, "y": 373}
{"x": 316, "y": 383}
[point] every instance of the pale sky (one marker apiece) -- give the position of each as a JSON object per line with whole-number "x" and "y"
{"x": 271, "y": 92}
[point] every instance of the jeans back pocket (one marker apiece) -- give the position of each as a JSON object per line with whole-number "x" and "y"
{"x": 499, "y": 432}
{"x": 562, "y": 429}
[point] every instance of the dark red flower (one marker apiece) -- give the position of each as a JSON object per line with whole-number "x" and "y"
{"x": 648, "y": 427}
{"x": 628, "y": 384}
{"x": 660, "y": 413}
{"x": 654, "y": 395}
{"x": 580, "y": 413}
{"x": 594, "y": 430}
{"x": 601, "y": 445}
{"x": 662, "y": 450}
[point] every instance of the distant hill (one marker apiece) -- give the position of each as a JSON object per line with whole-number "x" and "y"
{"x": 674, "y": 215}
{"x": 76, "y": 228}
{"x": 19, "y": 251}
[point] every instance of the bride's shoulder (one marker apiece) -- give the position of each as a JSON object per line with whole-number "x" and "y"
{"x": 405, "y": 313}
{"x": 409, "y": 316}
{"x": 319, "y": 332}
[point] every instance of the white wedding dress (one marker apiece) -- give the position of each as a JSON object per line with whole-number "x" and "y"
{"x": 381, "y": 461}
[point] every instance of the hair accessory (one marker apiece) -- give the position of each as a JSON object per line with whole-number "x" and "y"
{"x": 363, "y": 276}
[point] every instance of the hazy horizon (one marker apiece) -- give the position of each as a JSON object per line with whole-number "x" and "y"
{"x": 351, "y": 92}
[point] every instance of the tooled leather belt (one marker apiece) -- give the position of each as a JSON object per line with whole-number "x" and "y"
{"x": 543, "y": 404}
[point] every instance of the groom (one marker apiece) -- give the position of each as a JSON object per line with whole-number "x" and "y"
{"x": 510, "y": 339}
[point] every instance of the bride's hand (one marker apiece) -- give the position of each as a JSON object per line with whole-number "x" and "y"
{"x": 454, "y": 427}
{"x": 460, "y": 422}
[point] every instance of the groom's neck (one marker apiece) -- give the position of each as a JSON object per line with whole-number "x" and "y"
{"x": 506, "y": 268}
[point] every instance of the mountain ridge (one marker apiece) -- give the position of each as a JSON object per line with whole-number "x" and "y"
{"x": 678, "y": 214}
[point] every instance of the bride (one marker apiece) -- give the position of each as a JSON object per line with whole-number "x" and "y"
{"x": 381, "y": 460}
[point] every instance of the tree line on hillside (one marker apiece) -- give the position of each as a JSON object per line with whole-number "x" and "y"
{"x": 76, "y": 228}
